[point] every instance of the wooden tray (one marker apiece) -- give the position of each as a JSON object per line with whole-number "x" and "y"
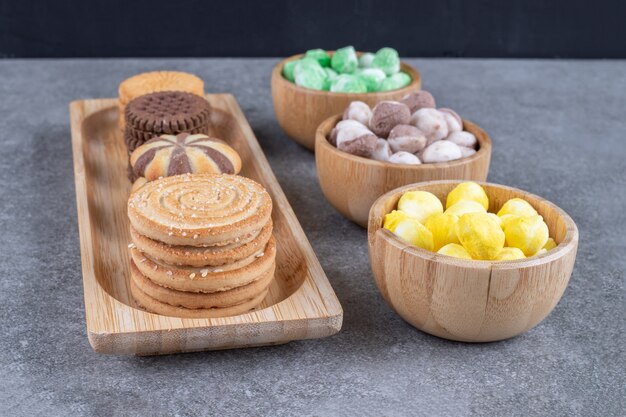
{"x": 301, "y": 304}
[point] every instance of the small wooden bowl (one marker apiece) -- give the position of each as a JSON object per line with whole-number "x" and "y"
{"x": 471, "y": 301}
{"x": 300, "y": 110}
{"x": 352, "y": 183}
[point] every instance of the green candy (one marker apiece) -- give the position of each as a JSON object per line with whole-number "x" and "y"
{"x": 365, "y": 60}
{"x": 320, "y": 55}
{"x": 348, "y": 83}
{"x": 387, "y": 59}
{"x": 372, "y": 77}
{"x": 310, "y": 65}
{"x": 344, "y": 60}
{"x": 288, "y": 69}
{"x": 395, "y": 82}
{"x": 331, "y": 75}
{"x": 344, "y": 72}
{"x": 310, "y": 74}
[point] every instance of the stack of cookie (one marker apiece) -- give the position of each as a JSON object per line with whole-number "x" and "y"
{"x": 152, "y": 82}
{"x": 202, "y": 245}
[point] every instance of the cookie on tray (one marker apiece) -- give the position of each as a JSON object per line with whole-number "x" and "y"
{"x": 199, "y": 209}
{"x": 165, "y": 112}
{"x": 216, "y": 299}
{"x": 169, "y": 155}
{"x": 209, "y": 278}
{"x": 152, "y": 82}
{"x": 198, "y": 256}
{"x": 155, "y": 306}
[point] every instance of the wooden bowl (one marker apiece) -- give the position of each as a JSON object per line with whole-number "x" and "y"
{"x": 352, "y": 183}
{"x": 300, "y": 110}
{"x": 471, "y": 301}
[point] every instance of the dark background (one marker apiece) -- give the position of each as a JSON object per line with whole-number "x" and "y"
{"x": 170, "y": 28}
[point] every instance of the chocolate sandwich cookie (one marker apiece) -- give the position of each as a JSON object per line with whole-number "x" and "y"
{"x": 166, "y": 112}
{"x": 151, "y": 82}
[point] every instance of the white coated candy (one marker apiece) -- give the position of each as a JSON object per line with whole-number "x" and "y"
{"x": 350, "y": 123}
{"x": 463, "y": 139}
{"x": 441, "y": 151}
{"x": 347, "y": 134}
{"x": 432, "y": 122}
{"x": 453, "y": 123}
{"x": 465, "y": 152}
{"x": 404, "y": 158}
{"x": 406, "y": 138}
{"x": 359, "y": 111}
{"x": 382, "y": 152}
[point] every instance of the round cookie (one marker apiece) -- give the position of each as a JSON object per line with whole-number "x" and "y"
{"x": 154, "y": 306}
{"x": 165, "y": 112}
{"x": 170, "y": 155}
{"x": 203, "y": 256}
{"x": 218, "y": 299}
{"x": 199, "y": 209}
{"x": 207, "y": 279}
{"x": 151, "y": 82}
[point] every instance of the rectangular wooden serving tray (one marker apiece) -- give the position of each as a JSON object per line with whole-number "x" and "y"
{"x": 301, "y": 304}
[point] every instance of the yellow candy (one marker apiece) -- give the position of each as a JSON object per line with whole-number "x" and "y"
{"x": 442, "y": 227}
{"x": 518, "y": 207}
{"x": 469, "y": 191}
{"x": 456, "y": 250}
{"x": 413, "y": 232}
{"x": 480, "y": 235}
{"x": 505, "y": 218}
{"x": 510, "y": 254}
{"x": 391, "y": 219}
{"x": 496, "y": 218}
{"x": 550, "y": 244}
{"x": 528, "y": 233}
{"x": 420, "y": 205}
{"x": 464, "y": 207}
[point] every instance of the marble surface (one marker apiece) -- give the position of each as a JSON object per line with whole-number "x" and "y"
{"x": 558, "y": 131}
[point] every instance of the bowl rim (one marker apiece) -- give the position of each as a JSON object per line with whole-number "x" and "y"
{"x": 277, "y": 77}
{"x": 569, "y": 241}
{"x": 481, "y": 135}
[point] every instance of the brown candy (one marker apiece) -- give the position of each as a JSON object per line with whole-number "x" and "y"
{"x": 356, "y": 141}
{"x": 419, "y": 100}
{"x": 387, "y": 115}
{"x": 406, "y": 138}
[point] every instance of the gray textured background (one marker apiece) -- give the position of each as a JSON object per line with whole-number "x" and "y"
{"x": 558, "y": 131}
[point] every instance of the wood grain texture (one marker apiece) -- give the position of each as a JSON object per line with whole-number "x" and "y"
{"x": 471, "y": 301}
{"x": 300, "y": 110}
{"x": 300, "y": 304}
{"x": 352, "y": 183}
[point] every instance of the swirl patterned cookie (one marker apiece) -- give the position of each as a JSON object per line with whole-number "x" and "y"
{"x": 217, "y": 299}
{"x": 155, "y": 306}
{"x": 199, "y": 256}
{"x": 199, "y": 209}
{"x": 170, "y": 155}
{"x": 207, "y": 279}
